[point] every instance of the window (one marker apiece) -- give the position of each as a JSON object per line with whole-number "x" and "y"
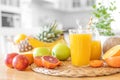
{"x": 76, "y": 3}
{"x": 90, "y": 2}
{"x": 15, "y": 3}
{"x": 4, "y": 2}
{"x": 10, "y": 19}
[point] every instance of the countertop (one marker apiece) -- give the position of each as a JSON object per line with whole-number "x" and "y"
{"x": 12, "y": 74}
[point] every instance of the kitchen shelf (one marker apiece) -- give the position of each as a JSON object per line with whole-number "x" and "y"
{"x": 11, "y": 9}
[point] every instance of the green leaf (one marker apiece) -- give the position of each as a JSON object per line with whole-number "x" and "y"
{"x": 94, "y": 6}
{"x": 99, "y": 3}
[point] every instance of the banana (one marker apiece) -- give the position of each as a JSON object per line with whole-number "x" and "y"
{"x": 37, "y": 43}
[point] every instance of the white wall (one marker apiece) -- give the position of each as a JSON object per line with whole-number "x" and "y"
{"x": 41, "y": 14}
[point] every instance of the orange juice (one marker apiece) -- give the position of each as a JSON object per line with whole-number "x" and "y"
{"x": 80, "y": 45}
{"x": 95, "y": 50}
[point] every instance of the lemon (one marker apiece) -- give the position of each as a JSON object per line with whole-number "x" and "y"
{"x": 19, "y": 38}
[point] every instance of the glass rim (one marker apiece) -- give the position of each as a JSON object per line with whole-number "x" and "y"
{"x": 80, "y": 31}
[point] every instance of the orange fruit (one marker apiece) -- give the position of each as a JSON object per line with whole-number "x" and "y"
{"x": 96, "y": 63}
{"x": 113, "y": 61}
{"x": 114, "y": 51}
{"x": 38, "y": 61}
{"x": 29, "y": 57}
{"x": 50, "y": 62}
{"x": 19, "y": 38}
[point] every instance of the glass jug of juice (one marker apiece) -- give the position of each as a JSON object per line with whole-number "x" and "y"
{"x": 80, "y": 45}
{"x": 96, "y": 45}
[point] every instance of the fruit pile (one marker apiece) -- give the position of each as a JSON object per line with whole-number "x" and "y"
{"x": 41, "y": 56}
{"x": 48, "y": 37}
{"x": 47, "y": 49}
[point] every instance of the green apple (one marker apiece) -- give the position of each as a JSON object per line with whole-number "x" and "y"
{"x": 61, "y": 51}
{"x": 41, "y": 51}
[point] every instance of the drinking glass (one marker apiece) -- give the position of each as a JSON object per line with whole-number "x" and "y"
{"x": 80, "y": 45}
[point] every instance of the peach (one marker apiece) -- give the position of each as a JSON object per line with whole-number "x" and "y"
{"x": 20, "y": 62}
{"x": 9, "y": 58}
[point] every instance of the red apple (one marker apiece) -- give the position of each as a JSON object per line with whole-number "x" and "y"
{"x": 20, "y": 62}
{"x": 9, "y": 58}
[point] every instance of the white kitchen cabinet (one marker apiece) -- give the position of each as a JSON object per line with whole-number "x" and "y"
{"x": 70, "y": 5}
{"x": 75, "y": 5}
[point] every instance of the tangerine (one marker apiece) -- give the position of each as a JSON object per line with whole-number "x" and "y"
{"x": 113, "y": 61}
{"x": 29, "y": 57}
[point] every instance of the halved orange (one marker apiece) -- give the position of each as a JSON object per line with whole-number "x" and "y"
{"x": 114, "y": 51}
{"x": 38, "y": 61}
{"x": 50, "y": 62}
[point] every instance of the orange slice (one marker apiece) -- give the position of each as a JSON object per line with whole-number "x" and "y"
{"x": 96, "y": 63}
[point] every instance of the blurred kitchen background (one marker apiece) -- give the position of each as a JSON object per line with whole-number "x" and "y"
{"x": 28, "y": 16}
{"x": 34, "y": 13}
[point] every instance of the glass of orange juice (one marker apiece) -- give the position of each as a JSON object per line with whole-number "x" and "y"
{"x": 80, "y": 45}
{"x": 96, "y": 50}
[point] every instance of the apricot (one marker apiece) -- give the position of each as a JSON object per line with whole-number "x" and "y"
{"x": 9, "y": 58}
{"x": 113, "y": 61}
{"x": 20, "y": 62}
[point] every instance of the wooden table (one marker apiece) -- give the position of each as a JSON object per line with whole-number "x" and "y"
{"x": 12, "y": 74}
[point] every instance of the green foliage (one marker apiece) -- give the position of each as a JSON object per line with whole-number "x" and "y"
{"x": 50, "y": 33}
{"x": 103, "y": 18}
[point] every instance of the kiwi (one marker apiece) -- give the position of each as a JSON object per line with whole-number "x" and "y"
{"x": 110, "y": 42}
